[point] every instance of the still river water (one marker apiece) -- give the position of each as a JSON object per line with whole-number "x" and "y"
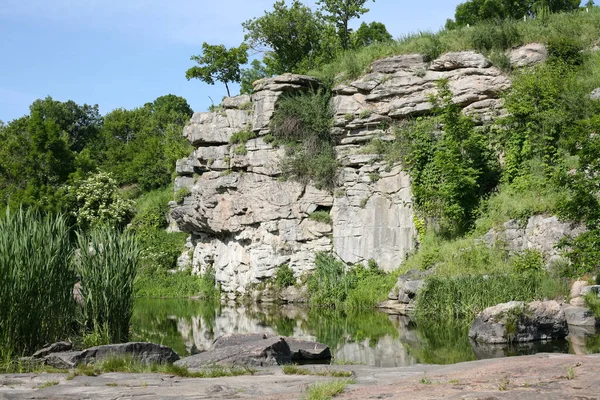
{"x": 365, "y": 337}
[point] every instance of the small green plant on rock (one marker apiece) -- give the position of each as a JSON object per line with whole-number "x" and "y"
{"x": 242, "y": 137}
{"x": 240, "y": 150}
{"x": 284, "y": 277}
{"x": 181, "y": 194}
{"x": 302, "y": 122}
{"x": 321, "y": 216}
{"x": 528, "y": 261}
{"x": 365, "y": 114}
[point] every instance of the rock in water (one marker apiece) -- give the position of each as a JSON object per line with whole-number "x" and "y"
{"x": 260, "y": 352}
{"x": 519, "y": 322}
{"x": 305, "y": 350}
{"x": 258, "y": 349}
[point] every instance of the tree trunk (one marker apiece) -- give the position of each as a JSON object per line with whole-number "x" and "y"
{"x": 227, "y": 87}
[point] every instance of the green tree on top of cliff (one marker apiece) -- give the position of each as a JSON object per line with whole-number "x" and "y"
{"x": 219, "y": 63}
{"x": 473, "y": 11}
{"x": 371, "y": 33}
{"x": 292, "y": 39}
{"x": 339, "y": 13}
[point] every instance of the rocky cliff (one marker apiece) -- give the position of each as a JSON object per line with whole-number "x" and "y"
{"x": 245, "y": 221}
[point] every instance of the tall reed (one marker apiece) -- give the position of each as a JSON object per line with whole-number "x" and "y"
{"x": 460, "y": 298}
{"x": 36, "y": 281}
{"x": 106, "y": 262}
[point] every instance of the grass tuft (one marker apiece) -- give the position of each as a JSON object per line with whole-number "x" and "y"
{"x": 327, "y": 390}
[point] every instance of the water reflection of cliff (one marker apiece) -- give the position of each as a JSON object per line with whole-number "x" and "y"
{"x": 366, "y": 337}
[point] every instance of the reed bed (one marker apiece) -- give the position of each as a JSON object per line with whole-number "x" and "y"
{"x": 36, "y": 281}
{"x": 39, "y": 266}
{"x": 107, "y": 261}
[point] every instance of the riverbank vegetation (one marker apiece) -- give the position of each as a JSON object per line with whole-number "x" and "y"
{"x": 41, "y": 263}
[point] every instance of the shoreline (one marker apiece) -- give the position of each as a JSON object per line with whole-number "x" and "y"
{"x": 541, "y": 376}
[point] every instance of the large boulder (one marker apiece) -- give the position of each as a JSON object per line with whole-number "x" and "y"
{"x": 300, "y": 350}
{"x": 258, "y": 349}
{"x": 253, "y": 351}
{"x": 408, "y": 285}
{"x": 144, "y": 352}
{"x": 517, "y": 321}
{"x": 579, "y": 316}
{"x": 530, "y": 54}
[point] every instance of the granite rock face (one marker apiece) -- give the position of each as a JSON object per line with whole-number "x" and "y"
{"x": 540, "y": 233}
{"x": 245, "y": 222}
{"x": 400, "y": 87}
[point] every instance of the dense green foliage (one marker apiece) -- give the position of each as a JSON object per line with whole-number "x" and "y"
{"x": 367, "y": 34}
{"x": 451, "y": 170}
{"x": 284, "y": 277}
{"x": 462, "y": 297}
{"x": 303, "y": 124}
{"x": 472, "y": 12}
{"x": 219, "y": 63}
{"x": 140, "y": 146}
{"x": 291, "y": 38}
{"x": 332, "y": 284}
{"x": 47, "y": 156}
{"x": 295, "y": 39}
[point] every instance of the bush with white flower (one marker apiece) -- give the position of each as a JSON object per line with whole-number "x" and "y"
{"x": 99, "y": 202}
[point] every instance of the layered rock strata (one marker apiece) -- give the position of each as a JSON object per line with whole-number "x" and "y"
{"x": 245, "y": 221}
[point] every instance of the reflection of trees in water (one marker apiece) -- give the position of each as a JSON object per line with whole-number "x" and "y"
{"x": 183, "y": 323}
{"x": 439, "y": 342}
{"x": 335, "y": 327}
{"x": 160, "y": 320}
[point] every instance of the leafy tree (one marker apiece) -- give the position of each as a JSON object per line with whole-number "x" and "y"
{"x": 290, "y": 38}
{"x": 589, "y": 4}
{"x": 80, "y": 124}
{"x": 36, "y": 158}
{"x": 256, "y": 71}
{"x": 140, "y": 146}
{"x": 371, "y": 33}
{"x": 473, "y": 11}
{"x": 216, "y": 62}
{"x": 340, "y": 12}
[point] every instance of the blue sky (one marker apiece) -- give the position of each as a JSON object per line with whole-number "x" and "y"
{"x": 124, "y": 53}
